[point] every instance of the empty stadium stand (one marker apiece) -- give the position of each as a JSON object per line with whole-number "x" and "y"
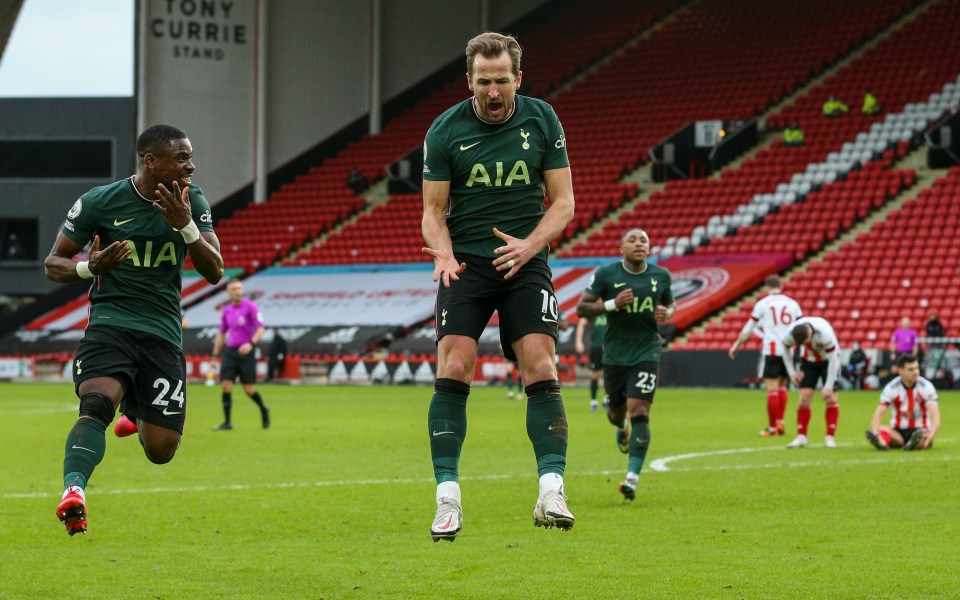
{"x": 622, "y": 79}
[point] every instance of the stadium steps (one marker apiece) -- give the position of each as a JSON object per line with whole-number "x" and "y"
{"x": 612, "y": 217}
{"x": 924, "y": 180}
{"x": 613, "y": 54}
{"x": 374, "y": 196}
{"x": 848, "y": 60}
{"x": 769, "y": 136}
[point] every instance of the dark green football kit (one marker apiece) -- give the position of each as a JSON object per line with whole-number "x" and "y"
{"x": 631, "y": 343}
{"x": 134, "y": 329}
{"x": 495, "y": 173}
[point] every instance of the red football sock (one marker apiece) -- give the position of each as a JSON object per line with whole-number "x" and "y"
{"x": 832, "y": 414}
{"x": 773, "y": 407}
{"x": 885, "y": 435}
{"x": 803, "y": 419}
{"x": 783, "y": 404}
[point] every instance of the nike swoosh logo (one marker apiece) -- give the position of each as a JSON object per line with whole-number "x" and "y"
{"x": 546, "y": 320}
{"x": 118, "y": 222}
{"x": 169, "y": 413}
{"x": 82, "y": 448}
{"x": 619, "y": 285}
{"x": 462, "y": 147}
{"x": 436, "y": 433}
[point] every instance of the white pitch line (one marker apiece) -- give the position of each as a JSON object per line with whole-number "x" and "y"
{"x": 656, "y": 466}
{"x": 661, "y": 463}
{"x": 64, "y": 408}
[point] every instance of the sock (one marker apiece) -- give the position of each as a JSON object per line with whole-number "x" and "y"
{"x": 447, "y": 426}
{"x": 510, "y": 383}
{"x": 639, "y": 442}
{"x": 448, "y": 489}
{"x": 773, "y": 407}
{"x": 258, "y": 400}
{"x": 550, "y": 482}
{"x": 594, "y": 386}
{"x": 783, "y": 405}
{"x": 885, "y": 435}
{"x": 227, "y": 401}
{"x": 85, "y": 447}
{"x": 803, "y": 419}
{"x": 633, "y": 477}
{"x": 547, "y": 426}
{"x": 832, "y": 415}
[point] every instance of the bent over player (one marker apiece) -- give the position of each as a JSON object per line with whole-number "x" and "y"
{"x": 820, "y": 361}
{"x": 131, "y": 353}
{"x": 487, "y": 162}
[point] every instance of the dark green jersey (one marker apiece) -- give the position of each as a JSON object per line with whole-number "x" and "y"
{"x": 144, "y": 292}
{"x": 495, "y": 170}
{"x": 631, "y": 335}
{"x": 599, "y": 325}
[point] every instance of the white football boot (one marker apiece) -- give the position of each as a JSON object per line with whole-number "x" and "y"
{"x": 551, "y": 511}
{"x": 798, "y": 442}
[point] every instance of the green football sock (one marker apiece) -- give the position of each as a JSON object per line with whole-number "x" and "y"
{"x": 447, "y": 422}
{"x": 85, "y": 447}
{"x": 594, "y": 386}
{"x": 639, "y": 442}
{"x": 547, "y": 426}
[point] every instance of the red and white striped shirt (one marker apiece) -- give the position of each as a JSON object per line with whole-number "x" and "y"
{"x": 822, "y": 345}
{"x": 908, "y": 406}
{"x": 774, "y": 314}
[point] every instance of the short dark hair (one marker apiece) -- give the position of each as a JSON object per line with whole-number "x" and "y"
{"x": 801, "y": 333}
{"x": 626, "y": 233}
{"x": 157, "y": 136}
{"x": 492, "y": 45}
{"x": 773, "y": 282}
{"x": 906, "y": 358}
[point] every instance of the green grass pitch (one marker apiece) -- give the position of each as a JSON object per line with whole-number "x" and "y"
{"x": 336, "y": 498}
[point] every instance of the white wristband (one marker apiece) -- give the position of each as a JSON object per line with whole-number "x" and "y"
{"x": 190, "y": 233}
{"x": 83, "y": 269}
{"x": 610, "y": 305}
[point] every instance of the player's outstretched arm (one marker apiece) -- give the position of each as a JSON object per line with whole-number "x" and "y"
{"x": 931, "y": 432}
{"x": 745, "y": 332}
{"x": 876, "y": 421}
{"x": 59, "y": 265}
{"x": 436, "y": 236}
{"x": 206, "y": 257}
{"x": 589, "y": 306}
{"x": 581, "y": 326}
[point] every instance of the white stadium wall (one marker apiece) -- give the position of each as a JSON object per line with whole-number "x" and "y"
{"x": 198, "y": 69}
{"x": 204, "y": 86}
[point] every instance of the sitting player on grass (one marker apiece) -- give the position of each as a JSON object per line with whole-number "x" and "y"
{"x": 915, "y": 419}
